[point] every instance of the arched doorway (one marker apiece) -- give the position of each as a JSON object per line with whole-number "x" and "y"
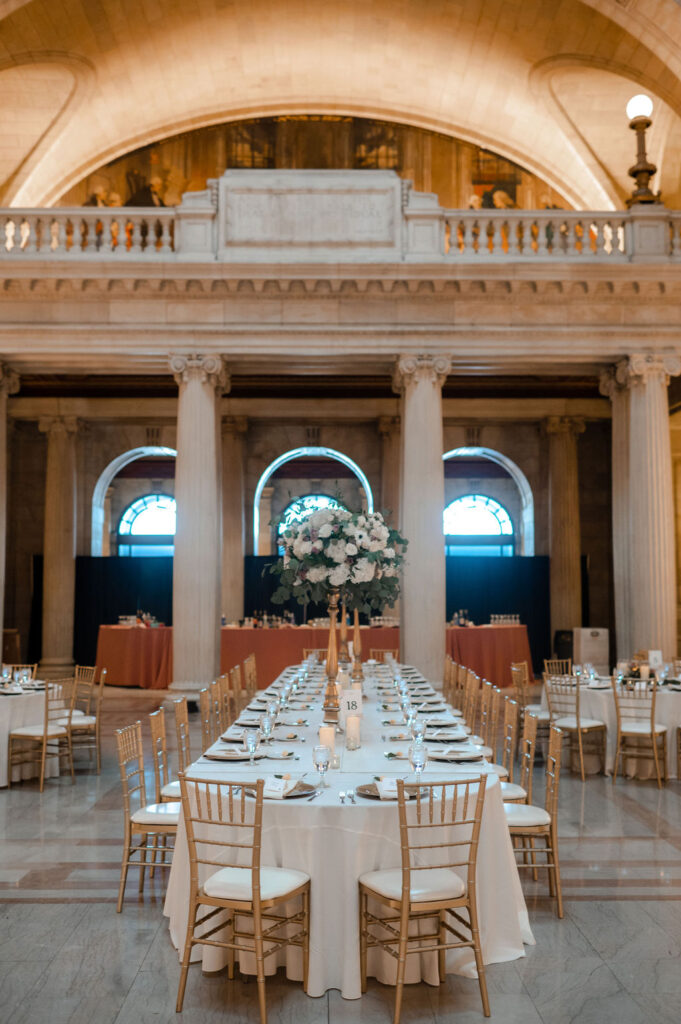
{"x": 297, "y": 453}
{"x": 526, "y": 520}
{"x": 104, "y": 482}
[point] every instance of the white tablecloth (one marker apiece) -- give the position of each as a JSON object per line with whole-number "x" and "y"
{"x": 22, "y": 709}
{"x": 337, "y": 843}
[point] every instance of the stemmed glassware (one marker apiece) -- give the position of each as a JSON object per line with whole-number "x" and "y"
{"x": 418, "y": 730}
{"x": 252, "y": 743}
{"x": 418, "y": 758}
{"x": 266, "y": 726}
{"x": 321, "y": 756}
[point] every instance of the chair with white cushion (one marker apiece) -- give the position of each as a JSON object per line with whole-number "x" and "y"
{"x": 521, "y": 684}
{"x": 224, "y": 829}
{"x": 86, "y": 713}
{"x": 164, "y": 788}
{"x": 639, "y": 736}
{"x": 521, "y": 792}
{"x": 528, "y": 822}
{"x": 184, "y": 750}
{"x": 588, "y": 734}
{"x": 433, "y": 894}
{"x": 157, "y": 819}
{"x": 34, "y": 744}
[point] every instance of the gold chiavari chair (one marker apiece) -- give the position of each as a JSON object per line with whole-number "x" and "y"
{"x": 491, "y": 729}
{"x": 470, "y": 699}
{"x": 521, "y": 684}
{"x": 158, "y": 819}
{"x": 85, "y": 723}
{"x": 441, "y": 825}
{"x": 527, "y": 822}
{"x": 224, "y": 830}
{"x": 563, "y": 696}
{"x": 521, "y": 793}
{"x": 33, "y": 668}
{"x": 164, "y": 788}
{"x": 509, "y": 734}
{"x": 448, "y": 679}
{"x": 379, "y": 653}
{"x": 318, "y": 652}
{"x": 184, "y": 750}
{"x": 239, "y": 694}
{"x": 34, "y": 744}
{"x": 209, "y": 699}
{"x": 639, "y": 736}
{"x": 250, "y": 676}
{"x": 229, "y": 705}
{"x": 557, "y": 666}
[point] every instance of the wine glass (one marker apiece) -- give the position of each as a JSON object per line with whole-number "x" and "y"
{"x": 266, "y": 726}
{"x": 406, "y": 706}
{"x": 321, "y": 756}
{"x": 6, "y": 673}
{"x": 418, "y": 758}
{"x": 418, "y": 730}
{"x": 252, "y": 739}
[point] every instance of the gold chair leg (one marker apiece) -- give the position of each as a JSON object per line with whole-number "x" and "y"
{"x": 306, "y": 938}
{"x": 617, "y": 756}
{"x": 363, "y": 939}
{"x": 657, "y": 763}
{"x": 143, "y": 861}
{"x": 260, "y": 970}
{"x": 9, "y": 762}
{"x": 154, "y": 843}
{"x": 125, "y": 863}
{"x": 533, "y": 858}
{"x": 42, "y": 766}
{"x": 401, "y": 965}
{"x": 581, "y": 754}
{"x": 441, "y": 964}
{"x": 553, "y": 838}
{"x": 475, "y": 935}
{"x": 191, "y": 924}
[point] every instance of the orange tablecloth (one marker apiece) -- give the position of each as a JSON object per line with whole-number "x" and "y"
{"x": 489, "y": 650}
{"x": 136, "y": 655}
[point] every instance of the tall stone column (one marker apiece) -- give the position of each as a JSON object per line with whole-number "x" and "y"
{"x": 564, "y": 532}
{"x": 389, "y": 429}
{"x": 233, "y": 516}
{"x": 677, "y": 535}
{"x": 651, "y": 502}
{"x": 59, "y": 549}
{"x": 198, "y": 537}
{"x": 9, "y": 385}
{"x": 423, "y": 609}
{"x": 621, "y": 540}
{"x": 264, "y": 520}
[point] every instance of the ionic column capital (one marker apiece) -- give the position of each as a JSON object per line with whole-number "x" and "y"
{"x": 646, "y": 367}
{"x": 419, "y": 369}
{"x": 608, "y": 384}
{"x": 206, "y": 369}
{"x": 9, "y": 380}
{"x": 56, "y": 425}
{"x": 564, "y": 425}
{"x": 234, "y": 425}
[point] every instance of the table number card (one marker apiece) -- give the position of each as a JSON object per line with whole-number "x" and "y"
{"x": 350, "y": 704}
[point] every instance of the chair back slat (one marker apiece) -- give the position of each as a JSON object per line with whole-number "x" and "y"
{"x": 184, "y": 752}
{"x": 131, "y": 766}
{"x": 562, "y": 695}
{"x": 509, "y": 735}
{"x": 635, "y": 700}
{"x": 528, "y": 745}
{"x": 159, "y": 752}
{"x": 558, "y": 666}
{"x": 553, "y": 771}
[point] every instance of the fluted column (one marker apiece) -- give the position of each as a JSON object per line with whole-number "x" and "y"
{"x": 59, "y": 549}
{"x": 233, "y": 520}
{"x": 651, "y": 502}
{"x": 564, "y": 531}
{"x": 621, "y": 541}
{"x": 9, "y": 385}
{"x": 420, "y": 379}
{"x": 198, "y": 548}
{"x": 389, "y": 429}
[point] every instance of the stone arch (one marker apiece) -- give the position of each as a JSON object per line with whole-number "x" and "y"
{"x": 526, "y": 532}
{"x": 104, "y": 482}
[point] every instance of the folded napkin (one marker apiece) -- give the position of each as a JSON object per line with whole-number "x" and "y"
{"x": 277, "y": 788}
{"x": 387, "y": 789}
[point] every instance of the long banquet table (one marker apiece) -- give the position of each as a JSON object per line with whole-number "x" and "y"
{"x": 17, "y": 709}
{"x": 335, "y": 843}
{"x": 139, "y": 656}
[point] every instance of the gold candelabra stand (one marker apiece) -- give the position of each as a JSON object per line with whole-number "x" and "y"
{"x": 331, "y": 705}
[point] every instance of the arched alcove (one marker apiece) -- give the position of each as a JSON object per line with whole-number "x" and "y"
{"x": 297, "y": 453}
{"x": 526, "y": 525}
{"x": 104, "y": 482}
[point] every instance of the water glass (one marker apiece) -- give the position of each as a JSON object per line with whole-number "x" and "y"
{"x": 266, "y": 726}
{"x": 418, "y": 730}
{"x": 252, "y": 742}
{"x": 6, "y": 673}
{"x": 418, "y": 758}
{"x": 321, "y": 756}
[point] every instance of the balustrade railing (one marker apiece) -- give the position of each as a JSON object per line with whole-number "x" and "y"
{"x": 534, "y": 234}
{"x": 87, "y": 231}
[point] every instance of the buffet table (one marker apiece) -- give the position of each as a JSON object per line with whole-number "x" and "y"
{"x": 141, "y": 656}
{"x": 335, "y": 843}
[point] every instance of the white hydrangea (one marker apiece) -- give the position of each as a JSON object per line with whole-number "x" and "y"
{"x": 363, "y": 571}
{"x": 362, "y": 539}
{"x": 339, "y": 575}
{"x": 351, "y": 549}
{"x": 319, "y": 518}
{"x": 317, "y": 545}
{"x": 317, "y": 574}
{"x": 376, "y": 545}
{"x": 326, "y": 530}
{"x": 302, "y": 547}
{"x": 389, "y": 553}
{"x": 349, "y": 529}
{"x": 336, "y": 550}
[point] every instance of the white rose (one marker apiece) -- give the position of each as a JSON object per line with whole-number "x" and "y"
{"x": 339, "y": 575}
{"x": 317, "y": 574}
{"x": 376, "y": 545}
{"x": 305, "y": 547}
{"x": 389, "y": 553}
{"x": 361, "y": 520}
{"x": 349, "y": 529}
{"x": 326, "y": 530}
{"x": 350, "y": 549}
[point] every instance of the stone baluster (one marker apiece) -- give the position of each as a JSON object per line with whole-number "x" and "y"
{"x": 233, "y": 524}
{"x": 621, "y": 542}
{"x": 9, "y": 385}
{"x": 198, "y": 556}
{"x": 420, "y": 379}
{"x": 59, "y": 550}
{"x": 651, "y": 503}
{"x": 564, "y": 530}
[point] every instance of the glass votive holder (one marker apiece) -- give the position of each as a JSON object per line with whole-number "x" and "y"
{"x": 352, "y": 732}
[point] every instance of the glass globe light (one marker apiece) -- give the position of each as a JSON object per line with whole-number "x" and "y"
{"x": 639, "y": 106}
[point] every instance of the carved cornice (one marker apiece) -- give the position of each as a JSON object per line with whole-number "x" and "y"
{"x": 643, "y": 368}
{"x": 420, "y": 369}
{"x": 206, "y": 369}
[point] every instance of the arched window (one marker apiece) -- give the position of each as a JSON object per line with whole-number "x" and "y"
{"x": 301, "y": 508}
{"x": 147, "y": 527}
{"x": 476, "y": 524}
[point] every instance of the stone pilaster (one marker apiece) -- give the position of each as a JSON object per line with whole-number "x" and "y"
{"x": 564, "y": 531}
{"x": 423, "y": 610}
{"x": 621, "y": 540}
{"x": 9, "y": 385}
{"x": 59, "y": 550}
{"x": 233, "y": 522}
{"x": 651, "y": 503}
{"x": 198, "y": 554}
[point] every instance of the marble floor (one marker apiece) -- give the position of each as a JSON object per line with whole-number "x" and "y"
{"x": 66, "y": 956}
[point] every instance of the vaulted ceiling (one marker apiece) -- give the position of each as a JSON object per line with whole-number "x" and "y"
{"x": 543, "y": 82}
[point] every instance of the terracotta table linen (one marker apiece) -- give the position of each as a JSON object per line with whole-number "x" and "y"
{"x": 489, "y": 650}
{"x": 136, "y": 655}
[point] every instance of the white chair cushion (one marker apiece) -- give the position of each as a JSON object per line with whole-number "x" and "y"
{"x": 82, "y": 722}
{"x": 77, "y": 712}
{"x": 157, "y": 814}
{"x": 635, "y": 728}
{"x": 435, "y": 884}
{"x": 512, "y": 791}
{"x": 235, "y": 883}
{"x": 499, "y": 769}
{"x": 37, "y": 731}
{"x": 538, "y": 711}
{"x": 172, "y": 790}
{"x": 526, "y": 815}
{"x": 570, "y": 722}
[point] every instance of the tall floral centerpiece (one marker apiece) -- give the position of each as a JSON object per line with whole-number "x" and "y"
{"x": 337, "y": 554}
